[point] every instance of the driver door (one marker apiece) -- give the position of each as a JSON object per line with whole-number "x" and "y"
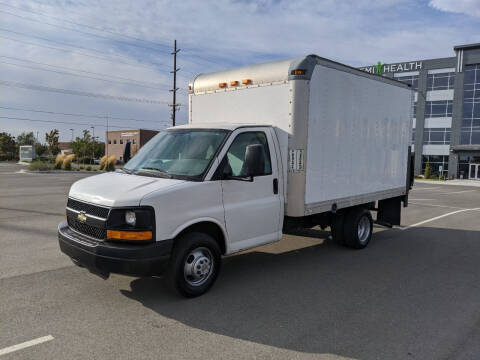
{"x": 252, "y": 207}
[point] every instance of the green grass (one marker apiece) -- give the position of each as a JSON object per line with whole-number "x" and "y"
{"x": 40, "y": 166}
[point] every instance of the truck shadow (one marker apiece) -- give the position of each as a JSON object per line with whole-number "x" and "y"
{"x": 407, "y": 290}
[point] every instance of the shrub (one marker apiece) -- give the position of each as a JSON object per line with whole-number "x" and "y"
{"x": 428, "y": 171}
{"x": 88, "y": 168}
{"x": 81, "y": 167}
{"x": 59, "y": 161}
{"x": 67, "y": 162}
{"x": 110, "y": 165}
{"x": 40, "y": 166}
{"x": 103, "y": 162}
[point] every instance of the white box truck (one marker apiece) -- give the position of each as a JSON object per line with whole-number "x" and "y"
{"x": 268, "y": 147}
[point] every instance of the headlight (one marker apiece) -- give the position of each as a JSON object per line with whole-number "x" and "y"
{"x": 131, "y": 224}
{"x": 130, "y": 218}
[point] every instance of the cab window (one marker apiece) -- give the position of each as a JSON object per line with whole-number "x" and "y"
{"x": 236, "y": 152}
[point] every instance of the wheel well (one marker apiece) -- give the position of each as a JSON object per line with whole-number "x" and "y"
{"x": 209, "y": 228}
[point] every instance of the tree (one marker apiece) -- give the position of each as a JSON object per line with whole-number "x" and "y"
{"x": 52, "y": 139}
{"x": 40, "y": 149}
{"x": 86, "y": 148}
{"x": 7, "y": 146}
{"x": 26, "y": 139}
{"x": 428, "y": 171}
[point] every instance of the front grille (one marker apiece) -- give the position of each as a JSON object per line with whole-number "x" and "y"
{"x": 89, "y": 230}
{"x": 95, "y": 210}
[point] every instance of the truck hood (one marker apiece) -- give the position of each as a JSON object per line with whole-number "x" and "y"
{"x": 118, "y": 189}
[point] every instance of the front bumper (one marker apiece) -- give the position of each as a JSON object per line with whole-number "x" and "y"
{"x": 103, "y": 257}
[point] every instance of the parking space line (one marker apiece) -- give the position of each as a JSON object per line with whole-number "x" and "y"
{"x": 436, "y": 218}
{"x": 457, "y": 192}
{"x": 436, "y": 205}
{"x": 25, "y": 344}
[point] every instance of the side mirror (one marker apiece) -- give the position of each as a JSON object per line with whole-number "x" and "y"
{"x": 254, "y": 160}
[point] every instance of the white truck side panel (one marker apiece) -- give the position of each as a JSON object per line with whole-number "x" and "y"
{"x": 358, "y": 136}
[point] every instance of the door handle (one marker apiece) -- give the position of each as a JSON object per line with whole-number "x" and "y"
{"x": 275, "y": 186}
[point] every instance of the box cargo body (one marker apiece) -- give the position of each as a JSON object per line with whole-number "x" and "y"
{"x": 344, "y": 134}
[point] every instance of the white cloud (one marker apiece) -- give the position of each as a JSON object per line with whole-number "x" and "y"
{"x": 467, "y": 7}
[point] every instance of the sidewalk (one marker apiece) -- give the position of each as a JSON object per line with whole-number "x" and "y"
{"x": 450, "y": 182}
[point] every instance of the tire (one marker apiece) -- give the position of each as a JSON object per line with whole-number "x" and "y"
{"x": 358, "y": 228}
{"x": 195, "y": 264}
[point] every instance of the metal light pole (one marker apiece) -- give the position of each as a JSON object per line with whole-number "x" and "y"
{"x": 93, "y": 136}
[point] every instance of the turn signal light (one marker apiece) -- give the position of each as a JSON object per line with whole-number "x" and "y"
{"x": 246, "y": 81}
{"x": 222, "y": 85}
{"x": 189, "y": 87}
{"x": 298, "y": 72}
{"x": 129, "y": 235}
{"x": 234, "y": 83}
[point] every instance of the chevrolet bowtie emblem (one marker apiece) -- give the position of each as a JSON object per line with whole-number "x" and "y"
{"x": 82, "y": 217}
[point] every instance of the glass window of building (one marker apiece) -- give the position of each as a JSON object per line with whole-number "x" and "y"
{"x": 435, "y": 162}
{"x": 109, "y": 141}
{"x": 114, "y": 141}
{"x": 442, "y": 108}
{"x": 412, "y": 80}
{"x": 436, "y": 136}
{"x": 470, "y": 132}
{"x": 414, "y": 109}
{"x": 413, "y": 136}
{"x": 441, "y": 81}
{"x": 121, "y": 141}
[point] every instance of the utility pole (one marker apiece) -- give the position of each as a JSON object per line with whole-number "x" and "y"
{"x": 174, "y": 104}
{"x": 106, "y": 138}
{"x": 72, "y": 134}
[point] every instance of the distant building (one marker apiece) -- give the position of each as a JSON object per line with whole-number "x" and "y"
{"x": 446, "y": 110}
{"x": 65, "y": 147}
{"x": 116, "y": 140}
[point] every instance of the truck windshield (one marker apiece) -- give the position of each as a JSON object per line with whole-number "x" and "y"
{"x": 183, "y": 153}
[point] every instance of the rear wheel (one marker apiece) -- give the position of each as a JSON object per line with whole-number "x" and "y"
{"x": 195, "y": 264}
{"x": 358, "y": 228}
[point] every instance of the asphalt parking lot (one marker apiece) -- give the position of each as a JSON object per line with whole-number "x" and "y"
{"x": 414, "y": 293}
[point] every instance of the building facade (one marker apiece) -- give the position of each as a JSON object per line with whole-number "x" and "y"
{"x": 116, "y": 140}
{"x": 446, "y": 110}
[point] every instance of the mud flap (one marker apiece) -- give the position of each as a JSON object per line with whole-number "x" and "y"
{"x": 389, "y": 211}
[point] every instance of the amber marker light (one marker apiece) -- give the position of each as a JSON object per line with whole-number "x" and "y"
{"x": 234, "y": 83}
{"x": 222, "y": 85}
{"x": 298, "y": 72}
{"x": 129, "y": 235}
{"x": 246, "y": 81}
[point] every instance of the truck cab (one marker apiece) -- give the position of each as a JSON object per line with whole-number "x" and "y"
{"x": 209, "y": 183}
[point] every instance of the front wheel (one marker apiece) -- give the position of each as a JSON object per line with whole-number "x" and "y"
{"x": 195, "y": 264}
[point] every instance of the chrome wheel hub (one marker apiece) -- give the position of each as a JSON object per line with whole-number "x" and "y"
{"x": 198, "y": 266}
{"x": 363, "y": 230}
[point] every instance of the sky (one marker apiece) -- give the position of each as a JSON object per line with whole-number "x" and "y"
{"x": 110, "y": 61}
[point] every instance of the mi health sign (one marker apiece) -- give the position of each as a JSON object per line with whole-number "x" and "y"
{"x": 380, "y": 68}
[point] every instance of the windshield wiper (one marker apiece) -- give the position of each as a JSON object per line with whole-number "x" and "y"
{"x": 159, "y": 172}
{"x": 126, "y": 171}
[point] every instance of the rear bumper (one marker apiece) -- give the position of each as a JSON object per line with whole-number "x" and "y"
{"x": 103, "y": 257}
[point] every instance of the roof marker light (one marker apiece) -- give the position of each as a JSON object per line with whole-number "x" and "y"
{"x": 234, "y": 83}
{"x": 298, "y": 72}
{"x": 246, "y": 81}
{"x": 222, "y": 85}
